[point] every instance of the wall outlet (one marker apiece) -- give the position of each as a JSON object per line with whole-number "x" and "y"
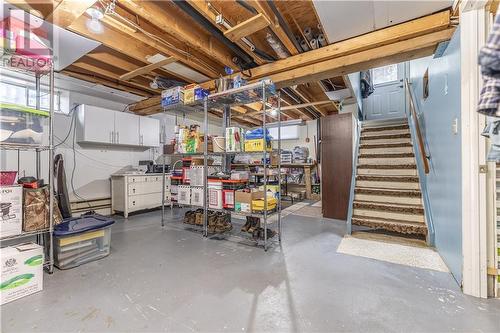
{"x": 446, "y": 84}
{"x": 454, "y": 126}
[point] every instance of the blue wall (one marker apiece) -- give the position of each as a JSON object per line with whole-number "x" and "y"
{"x": 444, "y": 182}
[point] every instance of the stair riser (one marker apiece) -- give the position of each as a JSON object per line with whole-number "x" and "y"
{"x": 388, "y": 215}
{"x": 385, "y": 141}
{"x": 386, "y": 161}
{"x": 394, "y": 150}
{"x": 404, "y": 229}
{"x": 388, "y": 199}
{"x": 386, "y": 132}
{"x": 387, "y": 172}
{"x": 389, "y": 185}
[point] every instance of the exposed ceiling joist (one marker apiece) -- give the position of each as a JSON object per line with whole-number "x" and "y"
{"x": 104, "y": 82}
{"x": 397, "y": 43}
{"x": 67, "y": 11}
{"x": 178, "y": 28}
{"x": 147, "y": 69}
{"x": 304, "y": 105}
{"x": 246, "y": 28}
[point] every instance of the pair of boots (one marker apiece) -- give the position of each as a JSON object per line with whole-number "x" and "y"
{"x": 258, "y": 233}
{"x": 219, "y": 222}
{"x": 251, "y": 224}
{"x": 190, "y": 217}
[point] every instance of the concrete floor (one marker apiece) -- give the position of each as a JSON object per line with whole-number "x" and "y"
{"x": 173, "y": 280}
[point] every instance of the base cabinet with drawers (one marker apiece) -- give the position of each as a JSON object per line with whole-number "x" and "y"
{"x": 130, "y": 193}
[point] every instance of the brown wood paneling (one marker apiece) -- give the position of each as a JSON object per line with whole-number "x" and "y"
{"x": 336, "y": 164}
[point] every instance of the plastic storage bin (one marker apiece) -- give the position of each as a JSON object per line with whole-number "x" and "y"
{"x": 184, "y": 195}
{"x": 215, "y": 194}
{"x": 22, "y": 125}
{"x": 81, "y": 240}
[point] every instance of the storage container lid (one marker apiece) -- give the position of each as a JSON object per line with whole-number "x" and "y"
{"x": 81, "y": 224}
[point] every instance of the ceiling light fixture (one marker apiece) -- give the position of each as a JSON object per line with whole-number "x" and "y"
{"x": 94, "y": 23}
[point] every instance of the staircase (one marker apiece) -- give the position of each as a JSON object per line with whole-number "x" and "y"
{"x": 387, "y": 192}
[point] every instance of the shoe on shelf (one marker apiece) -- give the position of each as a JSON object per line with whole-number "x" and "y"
{"x": 247, "y": 224}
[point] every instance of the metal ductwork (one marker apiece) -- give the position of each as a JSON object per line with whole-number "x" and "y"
{"x": 242, "y": 59}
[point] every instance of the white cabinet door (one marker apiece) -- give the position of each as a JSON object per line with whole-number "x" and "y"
{"x": 126, "y": 129}
{"x": 149, "y": 132}
{"x": 94, "y": 124}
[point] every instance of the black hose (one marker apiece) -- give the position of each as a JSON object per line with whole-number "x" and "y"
{"x": 248, "y": 7}
{"x": 264, "y": 55}
{"x": 246, "y": 60}
{"x": 284, "y": 25}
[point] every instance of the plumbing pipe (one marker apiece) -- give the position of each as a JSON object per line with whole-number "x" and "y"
{"x": 314, "y": 43}
{"x": 283, "y": 24}
{"x": 322, "y": 40}
{"x": 248, "y": 7}
{"x": 308, "y": 33}
{"x": 304, "y": 46}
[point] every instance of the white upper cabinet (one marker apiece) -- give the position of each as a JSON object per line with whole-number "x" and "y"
{"x": 149, "y": 132}
{"x": 94, "y": 124}
{"x": 101, "y": 126}
{"x": 126, "y": 129}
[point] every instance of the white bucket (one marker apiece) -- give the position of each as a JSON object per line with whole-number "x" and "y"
{"x": 219, "y": 144}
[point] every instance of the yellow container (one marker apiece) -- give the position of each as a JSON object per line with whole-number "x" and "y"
{"x": 258, "y": 204}
{"x": 256, "y": 145}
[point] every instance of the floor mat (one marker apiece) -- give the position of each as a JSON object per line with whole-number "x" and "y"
{"x": 394, "y": 253}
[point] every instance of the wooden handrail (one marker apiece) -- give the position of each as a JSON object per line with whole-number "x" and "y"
{"x": 420, "y": 138}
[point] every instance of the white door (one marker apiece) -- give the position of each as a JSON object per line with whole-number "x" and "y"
{"x": 95, "y": 125}
{"x": 388, "y": 99}
{"x": 149, "y": 132}
{"x": 126, "y": 129}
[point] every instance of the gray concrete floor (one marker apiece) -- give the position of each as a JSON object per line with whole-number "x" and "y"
{"x": 174, "y": 280}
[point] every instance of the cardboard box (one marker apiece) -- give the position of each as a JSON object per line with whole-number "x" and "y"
{"x": 22, "y": 271}
{"x": 243, "y": 200}
{"x": 11, "y": 210}
{"x": 172, "y": 96}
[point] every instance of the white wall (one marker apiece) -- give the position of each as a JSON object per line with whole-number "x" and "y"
{"x": 94, "y": 165}
{"x": 308, "y": 130}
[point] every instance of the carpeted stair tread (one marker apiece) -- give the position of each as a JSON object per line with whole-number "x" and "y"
{"x": 383, "y": 192}
{"x": 394, "y": 208}
{"x": 399, "y": 226}
{"x": 385, "y": 145}
{"x": 389, "y": 155}
{"x": 402, "y": 179}
{"x": 387, "y": 166}
{"x": 385, "y": 128}
{"x": 386, "y": 136}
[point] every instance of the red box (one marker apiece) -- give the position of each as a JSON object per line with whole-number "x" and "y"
{"x": 228, "y": 199}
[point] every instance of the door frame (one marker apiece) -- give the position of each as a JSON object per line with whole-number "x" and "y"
{"x": 473, "y": 34}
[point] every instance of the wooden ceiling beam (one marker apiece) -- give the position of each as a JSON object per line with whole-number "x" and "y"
{"x": 246, "y": 28}
{"x": 111, "y": 75}
{"x": 67, "y": 11}
{"x": 380, "y": 56}
{"x": 147, "y": 69}
{"x": 180, "y": 29}
{"x": 304, "y": 95}
{"x": 98, "y": 80}
{"x": 304, "y": 105}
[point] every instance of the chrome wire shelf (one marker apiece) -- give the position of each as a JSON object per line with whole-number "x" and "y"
{"x": 25, "y": 234}
{"x": 25, "y": 147}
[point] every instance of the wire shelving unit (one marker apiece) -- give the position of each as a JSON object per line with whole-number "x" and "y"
{"x": 44, "y": 236}
{"x": 264, "y": 92}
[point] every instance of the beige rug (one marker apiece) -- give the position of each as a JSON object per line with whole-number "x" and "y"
{"x": 412, "y": 256}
